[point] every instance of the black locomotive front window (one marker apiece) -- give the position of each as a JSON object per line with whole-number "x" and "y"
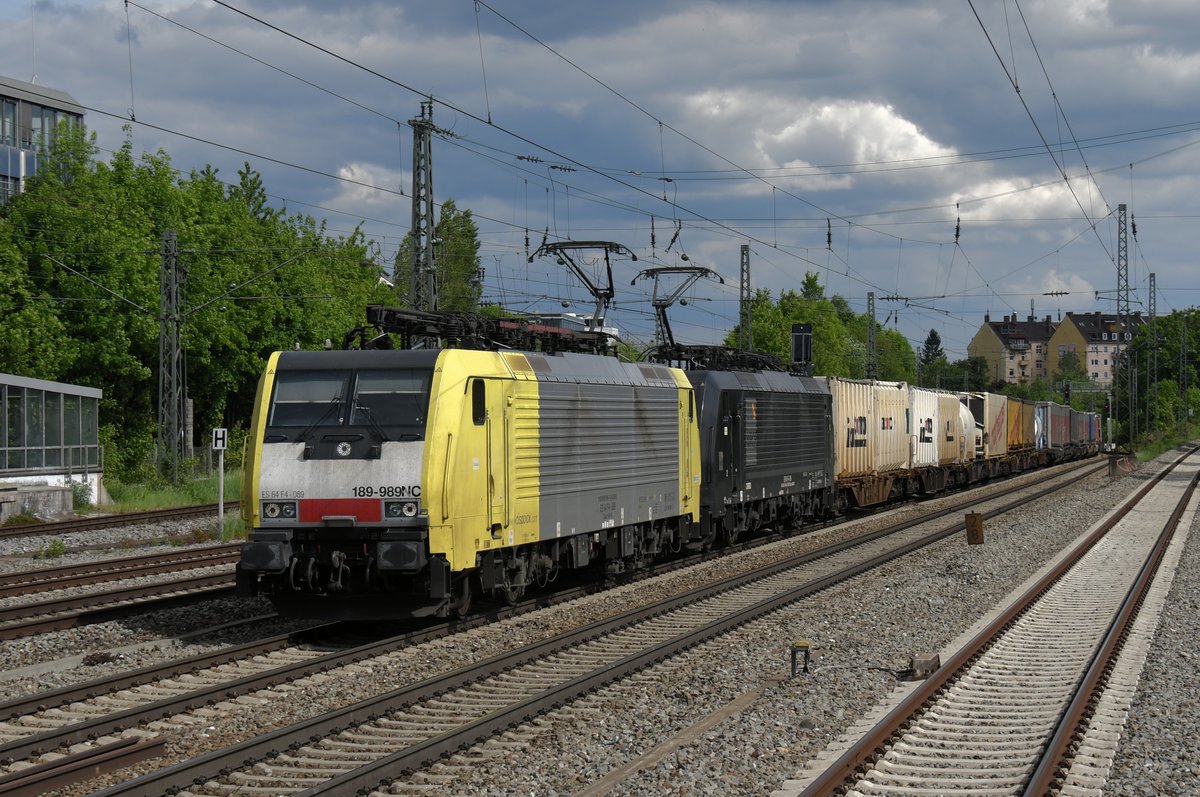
{"x": 309, "y": 398}
{"x": 396, "y": 397}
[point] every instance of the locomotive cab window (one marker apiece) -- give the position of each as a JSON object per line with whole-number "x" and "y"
{"x": 396, "y": 397}
{"x": 304, "y": 398}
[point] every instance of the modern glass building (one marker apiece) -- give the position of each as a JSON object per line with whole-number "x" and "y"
{"x": 29, "y": 117}
{"x": 49, "y": 432}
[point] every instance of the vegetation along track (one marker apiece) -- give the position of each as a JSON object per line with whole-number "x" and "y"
{"x": 1008, "y": 713}
{"x": 414, "y": 725}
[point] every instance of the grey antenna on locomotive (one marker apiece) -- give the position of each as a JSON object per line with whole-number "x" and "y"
{"x": 567, "y": 254}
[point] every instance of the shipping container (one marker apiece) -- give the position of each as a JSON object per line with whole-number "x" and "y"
{"x": 951, "y": 434}
{"x": 1021, "y": 424}
{"x": 869, "y": 420}
{"x": 1081, "y": 428}
{"x": 990, "y": 412}
{"x": 926, "y": 433}
{"x": 1055, "y": 420}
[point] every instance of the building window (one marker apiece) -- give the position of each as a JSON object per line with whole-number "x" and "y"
{"x": 1094, "y": 374}
{"x": 9, "y": 187}
{"x": 1010, "y": 372}
{"x": 8, "y": 123}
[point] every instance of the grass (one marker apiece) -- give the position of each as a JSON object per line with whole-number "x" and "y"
{"x": 20, "y": 520}
{"x": 1148, "y": 449}
{"x": 52, "y": 550}
{"x": 162, "y": 495}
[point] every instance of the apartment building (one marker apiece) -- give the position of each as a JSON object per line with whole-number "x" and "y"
{"x": 1016, "y": 350}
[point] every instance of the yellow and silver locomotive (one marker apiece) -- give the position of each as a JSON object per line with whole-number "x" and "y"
{"x": 385, "y": 483}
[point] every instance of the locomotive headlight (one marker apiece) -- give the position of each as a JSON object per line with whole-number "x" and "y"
{"x": 279, "y": 509}
{"x": 399, "y": 509}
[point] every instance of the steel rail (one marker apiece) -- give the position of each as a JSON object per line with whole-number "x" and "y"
{"x": 1047, "y": 777}
{"x": 58, "y": 527}
{"x": 873, "y": 744}
{"x": 53, "y": 578}
{"x": 70, "y": 769}
{"x": 82, "y": 610}
{"x": 196, "y": 770}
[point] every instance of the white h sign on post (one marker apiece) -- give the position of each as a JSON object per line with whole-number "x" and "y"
{"x": 220, "y": 437}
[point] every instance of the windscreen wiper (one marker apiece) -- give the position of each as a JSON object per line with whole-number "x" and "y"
{"x": 379, "y": 434}
{"x": 334, "y": 403}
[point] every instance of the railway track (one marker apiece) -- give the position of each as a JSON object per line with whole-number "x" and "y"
{"x": 56, "y": 578}
{"x": 60, "y": 527}
{"x": 96, "y": 607}
{"x": 414, "y": 725}
{"x": 1009, "y": 712}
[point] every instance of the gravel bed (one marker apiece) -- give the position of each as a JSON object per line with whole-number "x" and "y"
{"x": 669, "y": 697}
{"x": 28, "y": 553}
{"x": 1160, "y": 746}
{"x": 74, "y": 655}
{"x": 861, "y": 633}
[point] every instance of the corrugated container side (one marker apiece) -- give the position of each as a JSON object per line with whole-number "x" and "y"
{"x": 851, "y": 427}
{"x": 995, "y": 425}
{"x": 1014, "y": 423}
{"x": 949, "y": 429}
{"x": 926, "y": 433}
{"x": 1060, "y": 426}
{"x": 892, "y": 450}
{"x": 1080, "y": 428}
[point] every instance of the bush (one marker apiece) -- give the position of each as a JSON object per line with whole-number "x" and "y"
{"x": 81, "y": 495}
{"x": 55, "y": 549}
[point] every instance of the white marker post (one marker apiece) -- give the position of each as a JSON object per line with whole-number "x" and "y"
{"x": 220, "y": 436}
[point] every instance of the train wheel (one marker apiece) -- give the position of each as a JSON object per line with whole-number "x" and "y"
{"x": 461, "y": 605}
{"x": 730, "y": 529}
{"x": 513, "y": 588}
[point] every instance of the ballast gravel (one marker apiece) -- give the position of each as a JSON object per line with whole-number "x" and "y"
{"x": 729, "y": 718}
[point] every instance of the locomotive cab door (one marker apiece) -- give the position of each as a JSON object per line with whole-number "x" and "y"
{"x": 495, "y": 414}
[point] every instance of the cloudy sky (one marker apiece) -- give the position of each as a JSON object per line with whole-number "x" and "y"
{"x": 952, "y": 157}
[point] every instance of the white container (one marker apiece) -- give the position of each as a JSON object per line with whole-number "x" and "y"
{"x": 926, "y": 434}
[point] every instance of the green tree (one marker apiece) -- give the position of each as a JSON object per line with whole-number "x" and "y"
{"x": 839, "y": 334}
{"x": 456, "y": 261}
{"x": 810, "y": 289}
{"x": 33, "y": 342}
{"x": 88, "y": 236}
{"x": 932, "y": 351}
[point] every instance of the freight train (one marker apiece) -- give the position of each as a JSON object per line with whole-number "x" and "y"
{"x": 403, "y": 483}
